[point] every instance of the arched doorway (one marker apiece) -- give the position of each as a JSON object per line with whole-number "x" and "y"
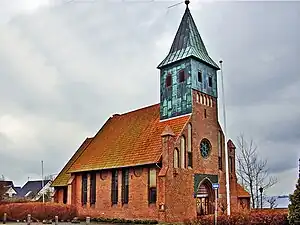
{"x": 205, "y": 198}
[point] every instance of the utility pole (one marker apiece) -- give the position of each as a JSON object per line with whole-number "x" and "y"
{"x": 43, "y": 181}
{"x": 226, "y": 149}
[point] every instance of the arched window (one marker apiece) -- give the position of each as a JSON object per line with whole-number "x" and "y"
{"x": 169, "y": 80}
{"x": 176, "y": 158}
{"x": 189, "y": 143}
{"x": 220, "y": 150}
{"x": 181, "y": 76}
{"x": 182, "y": 152}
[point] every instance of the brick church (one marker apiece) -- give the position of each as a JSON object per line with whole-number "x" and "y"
{"x": 159, "y": 162}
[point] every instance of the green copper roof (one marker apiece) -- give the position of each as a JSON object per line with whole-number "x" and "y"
{"x": 187, "y": 43}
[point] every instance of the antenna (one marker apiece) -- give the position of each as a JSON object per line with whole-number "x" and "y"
{"x": 171, "y": 6}
{"x": 226, "y": 148}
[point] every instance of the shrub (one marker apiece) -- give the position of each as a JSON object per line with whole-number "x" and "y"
{"x": 255, "y": 217}
{"x": 9, "y": 201}
{"x": 294, "y": 207}
{"x": 38, "y": 211}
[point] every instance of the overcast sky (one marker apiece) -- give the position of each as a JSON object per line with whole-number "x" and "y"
{"x": 66, "y": 67}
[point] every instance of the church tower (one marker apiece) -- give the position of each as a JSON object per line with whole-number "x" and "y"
{"x": 187, "y": 66}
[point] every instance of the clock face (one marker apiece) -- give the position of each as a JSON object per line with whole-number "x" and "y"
{"x": 205, "y": 148}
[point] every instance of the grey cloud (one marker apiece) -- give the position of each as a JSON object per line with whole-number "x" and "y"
{"x": 84, "y": 62}
{"x": 287, "y": 131}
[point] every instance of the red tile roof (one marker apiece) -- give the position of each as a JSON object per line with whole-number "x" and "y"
{"x": 63, "y": 177}
{"x": 241, "y": 192}
{"x": 129, "y": 139}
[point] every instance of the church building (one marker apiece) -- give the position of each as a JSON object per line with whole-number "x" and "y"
{"x": 159, "y": 162}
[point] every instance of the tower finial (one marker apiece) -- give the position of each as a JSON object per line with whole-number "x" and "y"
{"x": 187, "y": 2}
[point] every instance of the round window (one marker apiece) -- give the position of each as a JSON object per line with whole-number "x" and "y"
{"x": 205, "y": 148}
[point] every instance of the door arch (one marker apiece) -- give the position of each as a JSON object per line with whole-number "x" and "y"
{"x": 205, "y": 198}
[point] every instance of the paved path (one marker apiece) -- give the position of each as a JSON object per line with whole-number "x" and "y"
{"x": 62, "y": 223}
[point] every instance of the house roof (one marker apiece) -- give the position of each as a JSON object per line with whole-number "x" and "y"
{"x": 33, "y": 186}
{"x": 17, "y": 189}
{"x": 187, "y": 43}
{"x": 63, "y": 176}
{"x": 129, "y": 139}
{"x": 241, "y": 192}
{"x": 5, "y": 185}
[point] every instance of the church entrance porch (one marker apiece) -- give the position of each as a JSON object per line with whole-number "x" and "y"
{"x": 205, "y": 199}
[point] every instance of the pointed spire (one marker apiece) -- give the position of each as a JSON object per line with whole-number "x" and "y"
{"x": 187, "y": 42}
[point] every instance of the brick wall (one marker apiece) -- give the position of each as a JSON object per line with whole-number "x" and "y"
{"x": 137, "y": 208}
{"x": 59, "y": 195}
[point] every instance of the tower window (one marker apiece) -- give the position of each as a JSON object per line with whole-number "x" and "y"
{"x": 199, "y": 76}
{"x": 169, "y": 80}
{"x": 210, "y": 81}
{"x": 205, "y": 113}
{"x": 181, "y": 76}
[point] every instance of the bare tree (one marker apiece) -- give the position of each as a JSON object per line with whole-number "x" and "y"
{"x": 252, "y": 171}
{"x": 272, "y": 202}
